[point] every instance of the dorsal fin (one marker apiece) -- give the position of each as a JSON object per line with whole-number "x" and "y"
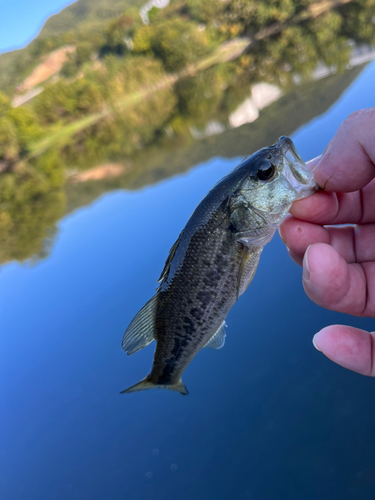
{"x": 172, "y": 253}
{"x": 218, "y": 340}
{"x": 141, "y": 330}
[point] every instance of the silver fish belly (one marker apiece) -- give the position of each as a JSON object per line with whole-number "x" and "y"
{"x": 214, "y": 260}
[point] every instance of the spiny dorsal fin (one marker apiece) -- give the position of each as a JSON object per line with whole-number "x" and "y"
{"x": 171, "y": 254}
{"x": 218, "y": 340}
{"x": 140, "y": 332}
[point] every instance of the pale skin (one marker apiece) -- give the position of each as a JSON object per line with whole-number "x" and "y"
{"x": 339, "y": 262}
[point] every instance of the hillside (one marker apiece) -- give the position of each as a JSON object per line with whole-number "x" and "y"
{"x": 71, "y": 24}
{"x": 173, "y": 157}
{"x": 85, "y": 15}
{"x": 73, "y": 90}
{"x": 114, "y": 92}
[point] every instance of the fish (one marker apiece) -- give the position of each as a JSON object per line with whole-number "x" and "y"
{"x": 214, "y": 260}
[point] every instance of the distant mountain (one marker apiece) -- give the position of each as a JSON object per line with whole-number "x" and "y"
{"x": 83, "y": 16}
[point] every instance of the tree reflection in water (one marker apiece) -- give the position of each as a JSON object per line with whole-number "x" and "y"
{"x": 175, "y": 126}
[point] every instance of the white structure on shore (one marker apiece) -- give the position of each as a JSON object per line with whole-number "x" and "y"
{"x": 263, "y": 94}
{"x": 143, "y": 11}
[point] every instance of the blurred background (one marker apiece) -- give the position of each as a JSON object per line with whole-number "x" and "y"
{"x": 116, "y": 117}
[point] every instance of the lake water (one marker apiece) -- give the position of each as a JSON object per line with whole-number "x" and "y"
{"x": 267, "y": 418}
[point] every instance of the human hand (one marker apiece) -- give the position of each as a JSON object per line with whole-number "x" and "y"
{"x": 339, "y": 262}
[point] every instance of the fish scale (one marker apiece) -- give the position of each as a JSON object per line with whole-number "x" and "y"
{"x": 198, "y": 298}
{"x": 214, "y": 260}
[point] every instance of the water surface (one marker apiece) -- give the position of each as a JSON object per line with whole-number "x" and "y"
{"x": 268, "y": 417}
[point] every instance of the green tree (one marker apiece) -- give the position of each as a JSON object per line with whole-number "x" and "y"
{"x": 67, "y": 101}
{"x": 179, "y": 43}
{"x": 18, "y": 128}
{"x": 9, "y": 147}
{"x": 4, "y": 104}
{"x": 83, "y": 52}
{"x": 31, "y": 202}
{"x": 116, "y": 32}
{"x": 69, "y": 68}
{"x": 200, "y": 96}
{"x": 206, "y": 11}
{"x": 357, "y": 23}
{"x": 28, "y": 129}
{"x": 143, "y": 39}
{"x": 136, "y": 120}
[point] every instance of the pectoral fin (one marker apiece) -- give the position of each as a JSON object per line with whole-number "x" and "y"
{"x": 140, "y": 332}
{"x": 218, "y": 340}
{"x": 248, "y": 266}
{"x": 258, "y": 237}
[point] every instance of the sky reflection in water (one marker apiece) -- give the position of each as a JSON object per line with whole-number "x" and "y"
{"x": 267, "y": 416}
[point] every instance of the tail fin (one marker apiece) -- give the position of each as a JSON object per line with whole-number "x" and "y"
{"x": 146, "y": 384}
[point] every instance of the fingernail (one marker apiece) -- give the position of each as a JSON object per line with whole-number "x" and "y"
{"x": 306, "y": 268}
{"x": 314, "y": 160}
{"x": 314, "y": 344}
{"x": 323, "y": 155}
{"x": 281, "y": 236}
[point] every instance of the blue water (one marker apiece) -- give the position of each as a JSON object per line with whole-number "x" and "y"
{"x": 267, "y": 418}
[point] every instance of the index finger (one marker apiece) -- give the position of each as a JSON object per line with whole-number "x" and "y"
{"x": 348, "y": 164}
{"x": 338, "y": 208}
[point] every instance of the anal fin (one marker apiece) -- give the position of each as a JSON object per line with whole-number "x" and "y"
{"x": 140, "y": 332}
{"x": 218, "y": 339}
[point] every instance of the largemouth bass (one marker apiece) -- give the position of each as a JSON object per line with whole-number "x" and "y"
{"x": 214, "y": 260}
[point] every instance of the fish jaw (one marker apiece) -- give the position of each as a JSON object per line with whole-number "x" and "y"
{"x": 295, "y": 171}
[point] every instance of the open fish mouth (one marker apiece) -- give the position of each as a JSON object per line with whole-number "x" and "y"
{"x": 295, "y": 171}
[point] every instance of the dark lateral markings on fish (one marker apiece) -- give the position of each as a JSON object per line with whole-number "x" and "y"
{"x": 214, "y": 260}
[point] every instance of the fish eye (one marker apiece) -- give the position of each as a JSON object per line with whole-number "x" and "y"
{"x": 267, "y": 172}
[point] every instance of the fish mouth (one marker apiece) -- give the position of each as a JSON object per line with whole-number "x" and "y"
{"x": 295, "y": 171}
{"x": 286, "y": 144}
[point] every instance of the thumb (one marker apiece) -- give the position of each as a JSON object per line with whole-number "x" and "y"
{"x": 348, "y": 163}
